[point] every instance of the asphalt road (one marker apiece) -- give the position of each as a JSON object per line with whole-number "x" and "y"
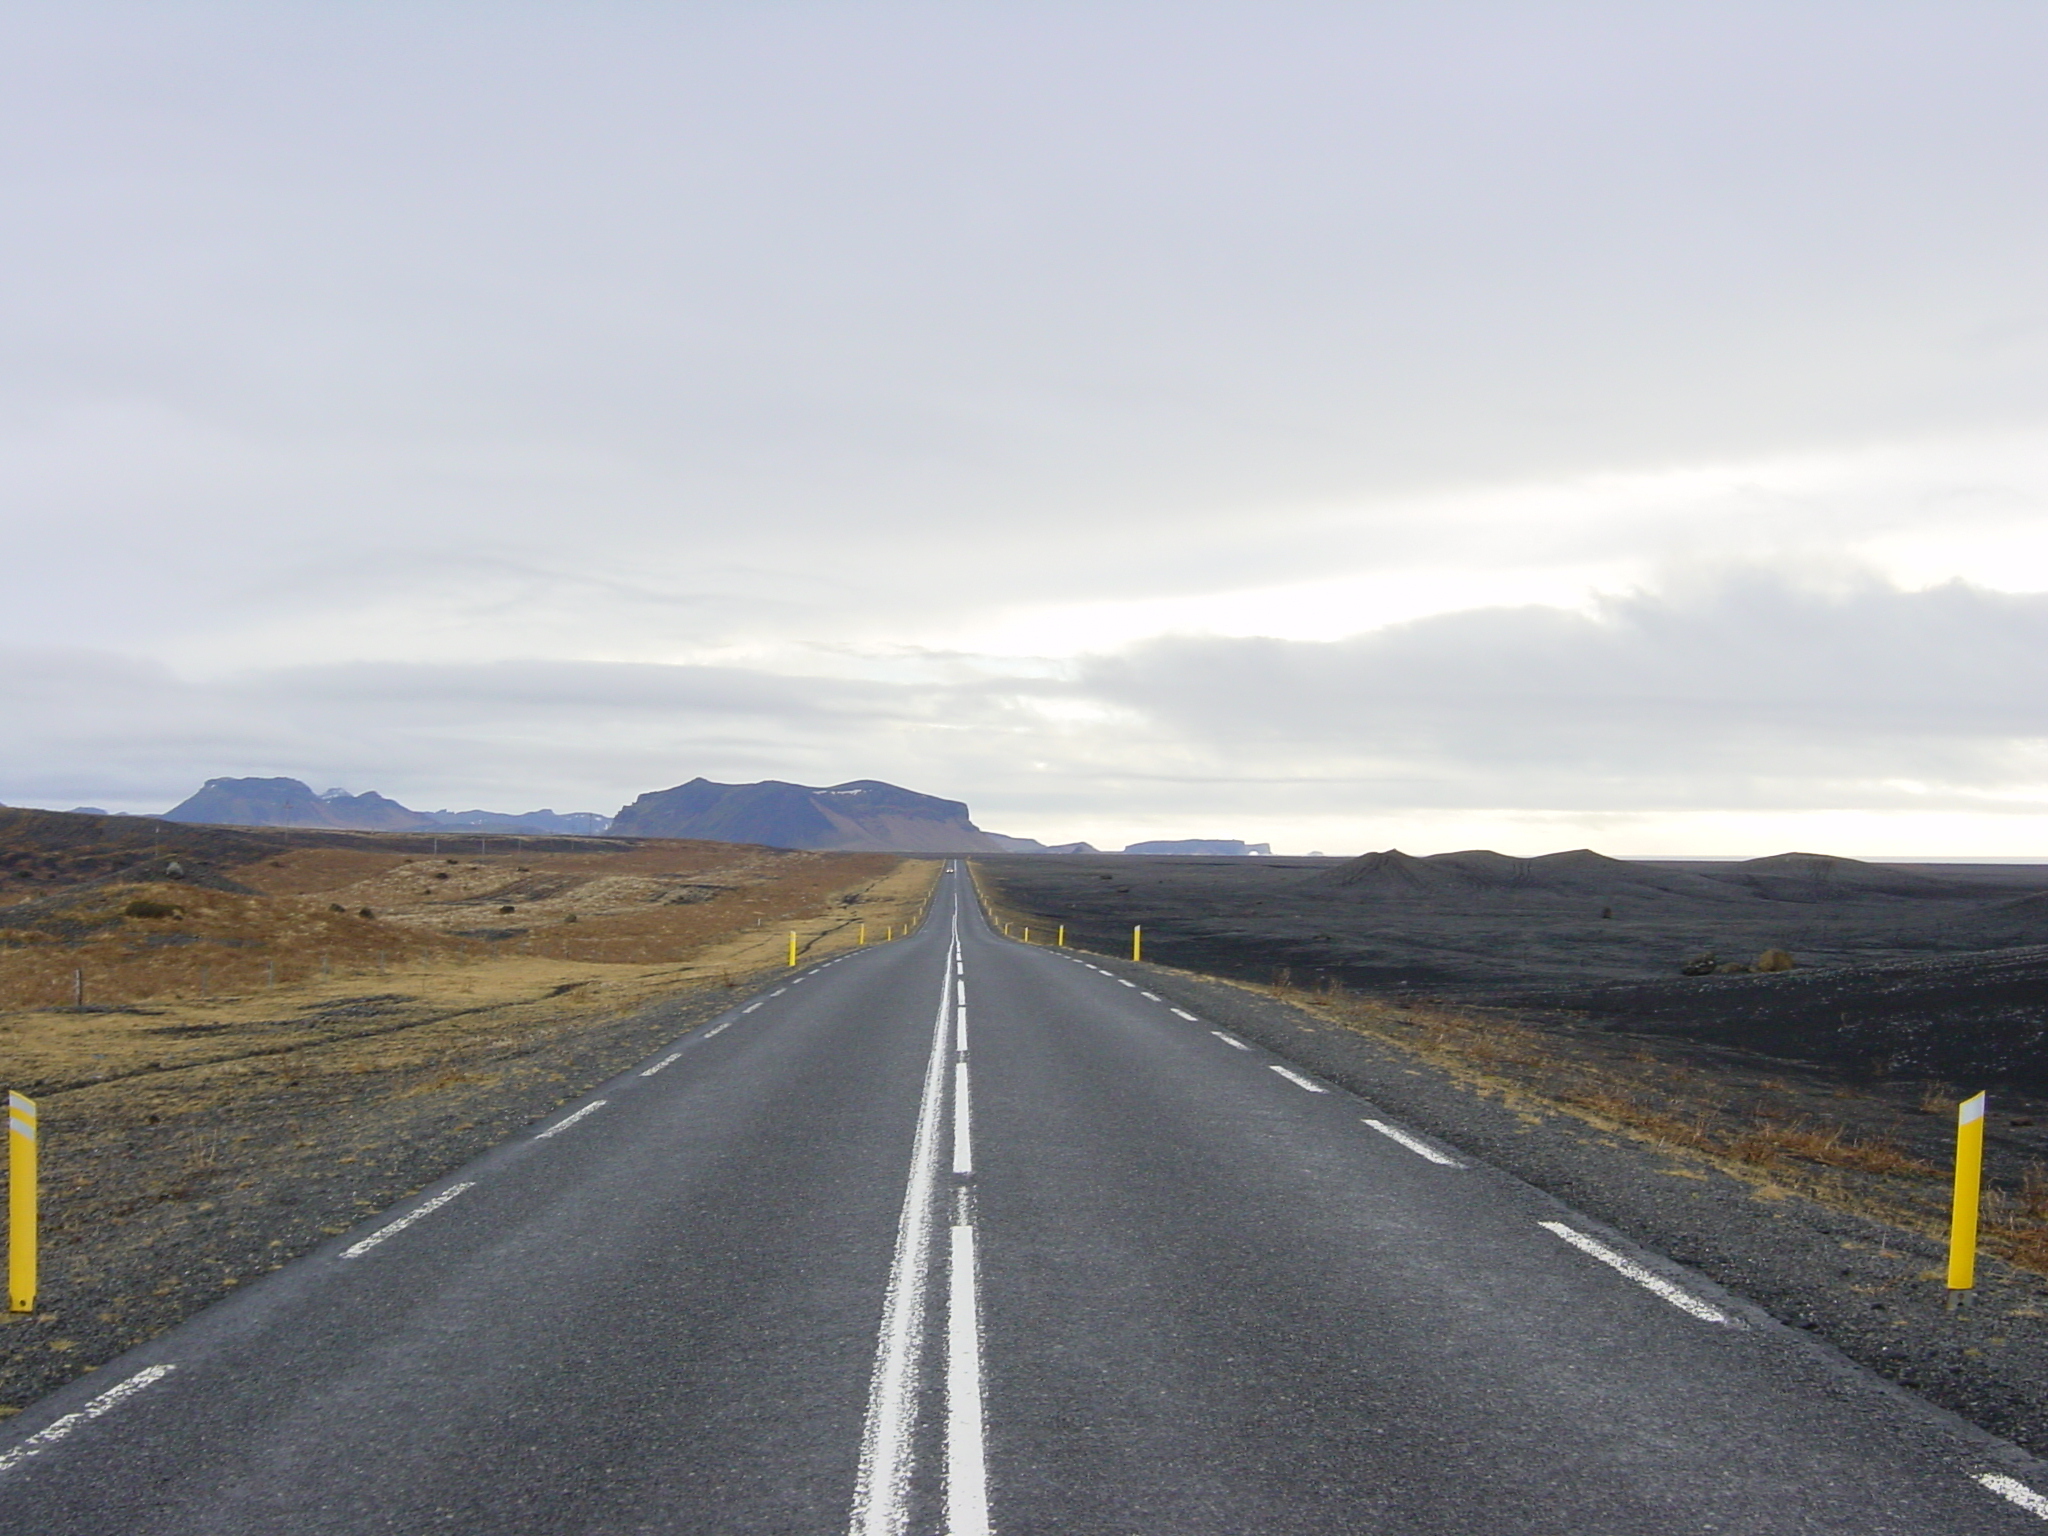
{"x": 957, "y": 1235}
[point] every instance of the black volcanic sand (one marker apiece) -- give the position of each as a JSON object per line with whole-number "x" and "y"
{"x": 1925, "y": 971}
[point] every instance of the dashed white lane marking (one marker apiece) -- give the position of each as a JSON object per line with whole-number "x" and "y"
{"x": 778, "y": 992}
{"x": 1297, "y": 1079}
{"x": 716, "y": 1029}
{"x": 1183, "y": 1013}
{"x": 1229, "y": 1039}
{"x": 966, "y": 1452}
{"x": 357, "y": 1250}
{"x": 1152, "y": 997}
{"x": 1685, "y": 1301}
{"x": 2005, "y": 1487}
{"x": 750, "y": 1008}
{"x": 43, "y": 1439}
{"x": 1413, "y": 1144}
{"x": 963, "y": 1154}
{"x": 562, "y": 1125}
{"x": 1122, "y": 983}
{"x": 667, "y": 1061}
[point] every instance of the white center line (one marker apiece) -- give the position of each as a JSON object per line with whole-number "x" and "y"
{"x": 562, "y": 1125}
{"x": 357, "y": 1250}
{"x": 1685, "y": 1301}
{"x": 963, "y": 1155}
{"x": 1413, "y": 1144}
{"x": 778, "y": 992}
{"x": 1152, "y": 997}
{"x": 1229, "y": 1039}
{"x": 966, "y": 1455}
{"x": 881, "y": 1499}
{"x": 2008, "y": 1488}
{"x": 716, "y": 1029}
{"x": 1186, "y": 1015}
{"x": 43, "y": 1439}
{"x": 750, "y": 1008}
{"x": 1122, "y": 983}
{"x": 1297, "y": 1079}
{"x": 667, "y": 1061}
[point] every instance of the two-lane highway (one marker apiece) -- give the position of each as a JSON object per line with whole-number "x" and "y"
{"x": 957, "y": 1235}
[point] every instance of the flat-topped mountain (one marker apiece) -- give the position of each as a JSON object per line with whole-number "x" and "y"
{"x": 862, "y": 815}
{"x": 290, "y": 803}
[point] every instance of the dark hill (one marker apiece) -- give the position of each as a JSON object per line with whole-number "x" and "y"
{"x": 1580, "y": 875}
{"x": 863, "y": 815}
{"x": 1823, "y": 877}
{"x": 289, "y": 803}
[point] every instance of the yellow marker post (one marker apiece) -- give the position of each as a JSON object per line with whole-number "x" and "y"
{"x": 1137, "y": 943}
{"x": 21, "y": 1203}
{"x": 863, "y": 933}
{"x": 1962, "y": 1226}
{"x": 889, "y": 933}
{"x": 1027, "y": 935}
{"x": 792, "y": 948}
{"x": 1061, "y": 941}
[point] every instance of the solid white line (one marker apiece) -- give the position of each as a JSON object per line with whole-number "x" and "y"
{"x": 1229, "y": 1039}
{"x": 1297, "y": 1079}
{"x": 1418, "y": 1147}
{"x": 966, "y": 1453}
{"x": 669, "y": 1060}
{"x": 357, "y": 1250}
{"x": 1151, "y": 997}
{"x": 43, "y": 1439}
{"x": 2012, "y": 1488}
{"x": 1186, "y": 1015}
{"x": 562, "y": 1125}
{"x": 963, "y": 1151}
{"x": 1685, "y": 1301}
{"x": 881, "y": 1498}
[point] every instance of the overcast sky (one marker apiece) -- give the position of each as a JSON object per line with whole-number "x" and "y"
{"x": 1433, "y": 425}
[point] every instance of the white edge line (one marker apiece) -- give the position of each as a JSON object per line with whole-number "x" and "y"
{"x": 669, "y": 1060}
{"x": 562, "y": 1125}
{"x": 2011, "y": 1488}
{"x": 716, "y": 1029}
{"x": 1296, "y": 1078}
{"x": 1186, "y": 1015}
{"x": 49, "y": 1435}
{"x": 392, "y": 1229}
{"x": 1685, "y": 1301}
{"x": 750, "y": 1008}
{"x": 1152, "y": 997}
{"x": 1229, "y": 1039}
{"x": 1414, "y": 1144}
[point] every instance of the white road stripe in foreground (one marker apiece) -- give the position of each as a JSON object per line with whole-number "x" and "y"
{"x": 881, "y": 1498}
{"x": 966, "y": 1452}
{"x": 562, "y": 1125}
{"x": 43, "y": 1439}
{"x": 1685, "y": 1301}
{"x": 357, "y": 1250}
{"x": 669, "y": 1060}
{"x": 1297, "y": 1079}
{"x": 1419, "y": 1148}
{"x": 1229, "y": 1039}
{"x": 2009, "y": 1488}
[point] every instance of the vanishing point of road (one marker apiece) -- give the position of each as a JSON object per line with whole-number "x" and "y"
{"x": 959, "y": 1235}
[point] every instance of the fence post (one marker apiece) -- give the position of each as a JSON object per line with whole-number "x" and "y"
{"x": 21, "y": 1203}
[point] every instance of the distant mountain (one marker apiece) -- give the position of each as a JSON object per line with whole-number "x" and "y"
{"x": 289, "y": 803}
{"x": 1206, "y": 847}
{"x": 863, "y": 815}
